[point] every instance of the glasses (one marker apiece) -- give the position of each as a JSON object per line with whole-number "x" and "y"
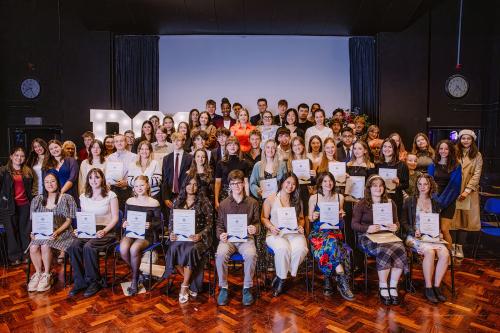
{"x": 235, "y": 184}
{"x": 267, "y": 117}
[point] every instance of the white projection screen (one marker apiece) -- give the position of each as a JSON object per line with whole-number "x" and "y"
{"x": 244, "y": 68}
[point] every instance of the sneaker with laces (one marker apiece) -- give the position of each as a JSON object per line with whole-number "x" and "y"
{"x": 343, "y": 287}
{"x": 45, "y": 282}
{"x": 34, "y": 281}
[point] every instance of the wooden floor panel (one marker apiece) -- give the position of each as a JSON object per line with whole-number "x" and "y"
{"x": 476, "y": 308}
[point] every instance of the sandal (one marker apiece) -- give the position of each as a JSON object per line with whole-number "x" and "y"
{"x": 183, "y": 298}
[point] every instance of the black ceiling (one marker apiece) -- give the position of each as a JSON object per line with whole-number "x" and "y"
{"x": 252, "y": 17}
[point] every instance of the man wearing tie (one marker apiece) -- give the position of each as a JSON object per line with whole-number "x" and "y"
{"x": 344, "y": 152}
{"x": 175, "y": 167}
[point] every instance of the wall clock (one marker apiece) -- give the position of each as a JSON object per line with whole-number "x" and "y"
{"x": 30, "y": 88}
{"x": 456, "y": 86}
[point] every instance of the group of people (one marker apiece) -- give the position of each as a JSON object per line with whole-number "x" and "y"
{"x": 220, "y": 167}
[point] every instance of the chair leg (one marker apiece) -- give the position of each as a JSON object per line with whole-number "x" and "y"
{"x": 312, "y": 277}
{"x": 452, "y": 269}
{"x": 28, "y": 270}
{"x": 150, "y": 269}
{"x": 114, "y": 272}
{"x": 65, "y": 262}
{"x": 366, "y": 273}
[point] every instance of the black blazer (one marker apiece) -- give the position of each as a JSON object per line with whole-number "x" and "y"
{"x": 168, "y": 173}
{"x": 7, "y": 202}
{"x": 341, "y": 155}
{"x": 278, "y": 121}
{"x": 409, "y": 215}
{"x": 256, "y": 119}
{"x": 216, "y": 156}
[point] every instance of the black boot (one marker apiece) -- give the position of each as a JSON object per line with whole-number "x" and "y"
{"x": 439, "y": 295}
{"x": 429, "y": 294}
{"x": 278, "y": 285}
{"x": 343, "y": 287}
{"x": 327, "y": 286}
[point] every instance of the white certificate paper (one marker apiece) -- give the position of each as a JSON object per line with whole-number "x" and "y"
{"x": 337, "y": 169}
{"x": 184, "y": 224}
{"x": 85, "y": 225}
{"x": 42, "y": 225}
{"x": 355, "y": 186}
{"x": 301, "y": 169}
{"x": 429, "y": 224}
{"x": 382, "y": 215}
{"x": 287, "y": 220}
{"x": 388, "y": 175}
{"x": 329, "y": 215}
{"x": 237, "y": 228}
{"x": 114, "y": 171}
{"x": 268, "y": 187}
{"x": 136, "y": 224}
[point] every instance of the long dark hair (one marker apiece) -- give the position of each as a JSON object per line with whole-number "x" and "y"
{"x": 25, "y": 170}
{"x": 181, "y": 199}
{"x": 193, "y": 170}
{"x": 51, "y": 161}
{"x": 320, "y": 143}
{"x": 46, "y": 194}
{"x": 33, "y": 156}
{"x": 102, "y": 155}
{"x": 432, "y": 184}
{"x": 190, "y": 120}
{"x": 88, "y": 189}
{"x": 395, "y": 152}
{"x": 292, "y": 110}
{"x": 295, "y": 196}
{"x": 473, "y": 150}
{"x": 451, "y": 160}
{"x": 368, "y": 195}
{"x": 321, "y": 177}
{"x": 143, "y": 136}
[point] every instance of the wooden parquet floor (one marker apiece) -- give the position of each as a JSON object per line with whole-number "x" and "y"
{"x": 475, "y": 309}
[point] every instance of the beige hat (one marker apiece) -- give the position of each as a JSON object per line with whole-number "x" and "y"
{"x": 467, "y": 132}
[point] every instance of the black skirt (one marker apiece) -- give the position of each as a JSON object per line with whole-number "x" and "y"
{"x": 184, "y": 254}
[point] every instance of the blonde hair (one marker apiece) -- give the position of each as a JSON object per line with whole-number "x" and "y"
{"x": 296, "y": 157}
{"x": 366, "y": 155}
{"x": 150, "y": 157}
{"x": 263, "y": 160}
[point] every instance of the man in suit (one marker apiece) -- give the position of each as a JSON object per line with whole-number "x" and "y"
{"x": 262, "y": 106}
{"x": 226, "y": 120}
{"x": 175, "y": 166}
{"x": 344, "y": 151}
{"x": 222, "y": 134}
{"x": 211, "y": 107}
{"x": 279, "y": 119}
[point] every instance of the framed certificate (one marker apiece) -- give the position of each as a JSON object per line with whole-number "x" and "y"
{"x": 301, "y": 169}
{"x": 355, "y": 187}
{"x": 237, "y": 228}
{"x": 338, "y": 170}
{"x": 382, "y": 215}
{"x": 114, "y": 171}
{"x": 136, "y": 224}
{"x": 42, "y": 225}
{"x": 287, "y": 220}
{"x": 329, "y": 215}
{"x": 429, "y": 224}
{"x": 388, "y": 175}
{"x": 85, "y": 225}
{"x": 184, "y": 224}
{"x": 268, "y": 186}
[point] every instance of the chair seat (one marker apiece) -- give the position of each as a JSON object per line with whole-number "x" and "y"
{"x": 270, "y": 251}
{"x": 236, "y": 257}
{"x": 495, "y": 232}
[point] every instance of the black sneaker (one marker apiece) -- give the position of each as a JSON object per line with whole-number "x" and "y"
{"x": 439, "y": 294}
{"x": 327, "y": 286}
{"x": 75, "y": 290}
{"x": 343, "y": 287}
{"x": 92, "y": 289}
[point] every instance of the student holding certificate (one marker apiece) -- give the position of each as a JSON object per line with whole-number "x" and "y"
{"x": 416, "y": 207}
{"x": 325, "y": 213}
{"x": 84, "y": 250}
{"x": 130, "y": 247}
{"x": 238, "y": 223}
{"x": 63, "y": 209}
{"x": 189, "y": 256}
{"x": 147, "y": 166}
{"x": 285, "y": 236}
{"x": 267, "y": 169}
{"x": 329, "y": 151}
{"x": 389, "y": 160}
{"x": 391, "y": 257}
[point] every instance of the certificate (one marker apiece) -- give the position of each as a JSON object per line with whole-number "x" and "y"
{"x": 287, "y": 220}
{"x": 184, "y": 224}
{"x": 329, "y": 215}
{"x": 388, "y": 175}
{"x": 136, "y": 224}
{"x": 42, "y": 225}
{"x": 464, "y": 204}
{"x": 383, "y": 237}
{"x": 268, "y": 187}
{"x": 355, "y": 187}
{"x": 337, "y": 169}
{"x": 237, "y": 228}
{"x": 429, "y": 224}
{"x": 85, "y": 225}
{"x": 301, "y": 169}
{"x": 114, "y": 171}
{"x": 382, "y": 215}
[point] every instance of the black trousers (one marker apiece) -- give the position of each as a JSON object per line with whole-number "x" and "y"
{"x": 84, "y": 256}
{"x": 18, "y": 230}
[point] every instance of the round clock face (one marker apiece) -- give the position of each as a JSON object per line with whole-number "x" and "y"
{"x": 457, "y": 86}
{"x": 30, "y": 88}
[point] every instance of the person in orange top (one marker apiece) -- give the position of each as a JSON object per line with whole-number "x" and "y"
{"x": 242, "y": 129}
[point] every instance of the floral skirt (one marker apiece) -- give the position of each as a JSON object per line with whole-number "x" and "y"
{"x": 329, "y": 250}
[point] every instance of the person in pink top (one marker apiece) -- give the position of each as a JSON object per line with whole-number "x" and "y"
{"x": 242, "y": 129}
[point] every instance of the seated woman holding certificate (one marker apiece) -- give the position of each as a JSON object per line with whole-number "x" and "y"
{"x": 142, "y": 218}
{"x": 51, "y": 230}
{"x": 326, "y": 209}
{"x": 102, "y": 204}
{"x": 420, "y": 222}
{"x": 192, "y": 211}
{"x": 370, "y": 215}
{"x": 268, "y": 168}
{"x": 283, "y": 218}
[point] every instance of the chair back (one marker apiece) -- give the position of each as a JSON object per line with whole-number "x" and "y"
{"x": 492, "y": 206}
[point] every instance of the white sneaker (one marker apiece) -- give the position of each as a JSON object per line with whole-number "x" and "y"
{"x": 45, "y": 282}
{"x": 33, "y": 284}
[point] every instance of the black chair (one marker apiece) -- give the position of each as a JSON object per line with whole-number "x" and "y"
{"x": 3, "y": 247}
{"x": 488, "y": 227}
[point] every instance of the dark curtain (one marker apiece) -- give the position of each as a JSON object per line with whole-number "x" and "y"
{"x": 136, "y": 69}
{"x": 363, "y": 68}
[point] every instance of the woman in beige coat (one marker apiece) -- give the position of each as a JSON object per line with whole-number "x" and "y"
{"x": 467, "y": 213}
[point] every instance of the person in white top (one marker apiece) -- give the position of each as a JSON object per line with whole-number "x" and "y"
{"x": 146, "y": 166}
{"x": 84, "y": 252}
{"x": 39, "y": 152}
{"x": 161, "y": 147}
{"x": 96, "y": 159}
{"x": 289, "y": 245}
{"x": 267, "y": 130}
{"x": 319, "y": 129}
{"x": 118, "y": 162}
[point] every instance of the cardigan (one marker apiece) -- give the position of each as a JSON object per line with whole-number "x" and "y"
{"x": 255, "y": 176}
{"x": 362, "y": 216}
{"x": 7, "y": 202}
{"x": 452, "y": 190}
{"x": 409, "y": 215}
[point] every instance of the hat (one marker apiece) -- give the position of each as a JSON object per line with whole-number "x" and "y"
{"x": 467, "y": 132}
